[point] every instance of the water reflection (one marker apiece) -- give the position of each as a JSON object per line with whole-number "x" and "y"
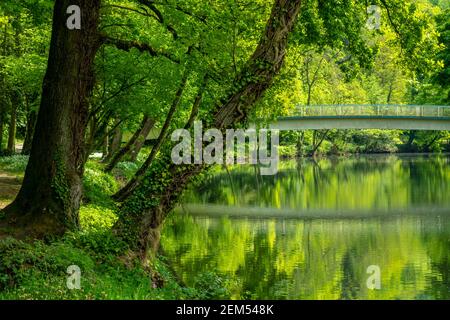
{"x": 323, "y": 258}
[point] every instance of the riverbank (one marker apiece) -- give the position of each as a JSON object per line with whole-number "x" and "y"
{"x": 291, "y": 152}
{"x": 300, "y": 235}
{"x": 38, "y": 269}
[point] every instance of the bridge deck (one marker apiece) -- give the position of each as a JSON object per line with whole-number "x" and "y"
{"x": 405, "y": 117}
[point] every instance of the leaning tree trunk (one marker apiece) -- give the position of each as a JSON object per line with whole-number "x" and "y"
{"x": 146, "y": 123}
{"x": 142, "y": 215}
{"x": 141, "y": 140}
{"x": 128, "y": 189}
{"x": 50, "y": 196}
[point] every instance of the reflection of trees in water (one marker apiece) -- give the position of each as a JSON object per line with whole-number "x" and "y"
{"x": 379, "y": 182}
{"x": 349, "y": 283}
{"x": 314, "y": 259}
{"x": 438, "y": 248}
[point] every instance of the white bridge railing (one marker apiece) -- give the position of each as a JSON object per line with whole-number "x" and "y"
{"x": 379, "y": 110}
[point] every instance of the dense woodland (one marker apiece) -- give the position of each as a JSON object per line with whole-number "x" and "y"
{"x": 86, "y": 115}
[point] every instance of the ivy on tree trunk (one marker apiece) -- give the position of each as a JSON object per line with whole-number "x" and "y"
{"x": 50, "y": 196}
{"x": 142, "y": 215}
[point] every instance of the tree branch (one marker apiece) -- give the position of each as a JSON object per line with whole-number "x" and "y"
{"x": 126, "y": 45}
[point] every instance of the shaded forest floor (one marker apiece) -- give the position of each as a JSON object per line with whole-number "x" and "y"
{"x": 9, "y": 187}
{"x": 38, "y": 269}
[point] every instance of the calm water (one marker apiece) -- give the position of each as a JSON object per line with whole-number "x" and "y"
{"x": 312, "y": 231}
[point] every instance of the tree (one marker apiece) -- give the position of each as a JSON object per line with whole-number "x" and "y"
{"x": 140, "y": 221}
{"x": 50, "y": 196}
{"x": 141, "y": 133}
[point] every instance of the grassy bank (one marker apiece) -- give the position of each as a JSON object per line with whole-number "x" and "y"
{"x": 38, "y": 269}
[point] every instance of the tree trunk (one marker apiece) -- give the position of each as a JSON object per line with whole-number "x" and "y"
{"x": 4, "y": 102}
{"x": 1, "y": 132}
{"x": 412, "y": 134}
{"x": 31, "y": 123}
{"x": 143, "y": 213}
{"x": 4, "y": 99}
{"x": 50, "y": 196}
{"x": 316, "y": 145}
{"x": 116, "y": 142}
{"x": 141, "y": 139}
{"x": 126, "y": 191}
{"x": 15, "y": 101}
{"x": 91, "y": 130}
{"x": 105, "y": 143}
{"x": 146, "y": 124}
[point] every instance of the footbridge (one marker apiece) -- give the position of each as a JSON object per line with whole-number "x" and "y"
{"x": 355, "y": 116}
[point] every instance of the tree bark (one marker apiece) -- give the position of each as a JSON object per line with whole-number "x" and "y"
{"x": 49, "y": 199}
{"x": 142, "y": 215}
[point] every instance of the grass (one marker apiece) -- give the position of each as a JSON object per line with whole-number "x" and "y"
{"x": 15, "y": 164}
{"x": 38, "y": 269}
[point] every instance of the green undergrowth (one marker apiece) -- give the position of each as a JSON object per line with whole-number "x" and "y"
{"x": 15, "y": 164}
{"x": 39, "y": 269}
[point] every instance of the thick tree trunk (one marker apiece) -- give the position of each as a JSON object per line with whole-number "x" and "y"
{"x": 50, "y": 196}
{"x": 143, "y": 213}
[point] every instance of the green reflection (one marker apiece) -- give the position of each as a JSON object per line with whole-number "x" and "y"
{"x": 317, "y": 258}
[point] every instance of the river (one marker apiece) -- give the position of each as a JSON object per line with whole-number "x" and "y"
{"x": 319, "y": 228}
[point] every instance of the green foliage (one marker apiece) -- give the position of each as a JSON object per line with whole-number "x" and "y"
{"x": 21, "y": 262}
{"x": 96, "y": 217}
{"x": 127, "y": 169}
{"x": 98, "y": 186}
{"x": 332, "y": 59}
{"x": 37, "y": 270}
{"x": 211, "y": 287}
{"x": 14, "y": 164}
